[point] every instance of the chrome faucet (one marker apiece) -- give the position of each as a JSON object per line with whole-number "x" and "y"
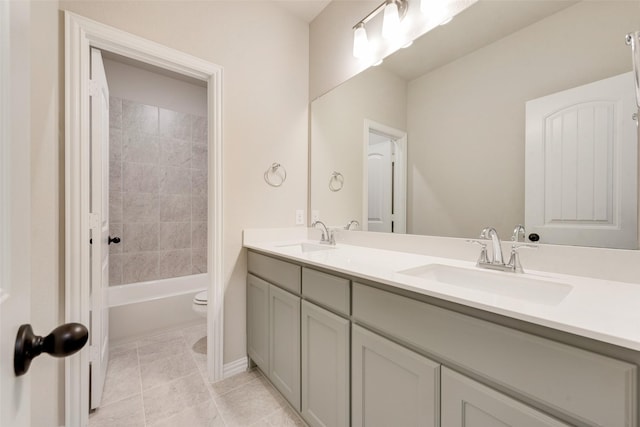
{"x": 353, "y": 222}
{"x": 496, "y": 256}
{"x": 496, "y": 262}
{"x": 517, "y": 232}
{"x": 328, "y": 237}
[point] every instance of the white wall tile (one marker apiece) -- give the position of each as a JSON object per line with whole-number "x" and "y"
{"x": 199, "y": 182}
{"x": 175, "y": 124}
{"x": 140, "y": 207}
{"x": 175, "y": 235}
{"x": 140, "y": 177}
{"x": 139, "y": 267}
{"x": 174, "y": 152}
{"x": 199, "y": 129}
{"x": 174, "y": 207}
{"x": 115, "y": 112}
{"x": 139, "y": 117}
{"x": 139, "y": 147}
{"x": 115, "y": 206}
{"x": 199, "y": 234}
{"x": 199, "y": 156}
{"x": 137, "y": 237}
{"x": 199, "y": 208}
{"x": 199, "y": 261}
{"x": 175, "y": 263}
{"x": 175, "y": 180}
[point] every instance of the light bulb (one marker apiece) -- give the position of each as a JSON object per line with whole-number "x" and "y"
{"x": 360, "y": 42}
{"x": 391, "y": 20}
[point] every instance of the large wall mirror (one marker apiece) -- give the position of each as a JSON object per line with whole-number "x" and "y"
{"x": 454, "y": 133}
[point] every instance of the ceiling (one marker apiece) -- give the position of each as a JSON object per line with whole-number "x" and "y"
{"x": 480, "y": 25}
{"x": 306, "y": 10}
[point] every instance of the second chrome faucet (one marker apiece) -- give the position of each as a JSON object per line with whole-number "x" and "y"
{"x": 328, "y": 237}
{"x": 496, "y": 261}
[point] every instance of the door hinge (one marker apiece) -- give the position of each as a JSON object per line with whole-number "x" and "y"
{"x": 94, "y": 88}
{"x": 94, "y": 220}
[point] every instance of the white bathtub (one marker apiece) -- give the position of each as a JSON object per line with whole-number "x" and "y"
{"x": 156, "y": 289}
{"x": 140, "y": 309}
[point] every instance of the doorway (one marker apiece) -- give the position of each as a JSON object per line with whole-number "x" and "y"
{"x": 82, "y": 223}
{"x": 384, "y": 179}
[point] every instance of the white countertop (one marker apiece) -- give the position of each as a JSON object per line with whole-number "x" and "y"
{"x": 603, "y": 310}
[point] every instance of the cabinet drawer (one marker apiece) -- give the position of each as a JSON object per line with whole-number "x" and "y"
{"x": 330, "y": 291}
{"x": 278, "y": 272}
{"x": 592, "y": 388}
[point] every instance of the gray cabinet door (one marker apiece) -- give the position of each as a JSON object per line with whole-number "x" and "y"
{"x": 258, "y": 322}
{"x": 325, "y": 367}
{"x": 284, "y": 344}
{"x": 468, "y": 403}
{"x": 391, "y": 385}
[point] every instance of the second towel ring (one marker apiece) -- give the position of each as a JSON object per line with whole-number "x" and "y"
{"x": 273, "y": 171}
{"x": 336, "y": 181}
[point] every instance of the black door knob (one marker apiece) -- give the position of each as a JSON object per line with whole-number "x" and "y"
{"x": 61, "y": 342}
{"x": 534, "y": 237}
{"x": 114, "y": 240}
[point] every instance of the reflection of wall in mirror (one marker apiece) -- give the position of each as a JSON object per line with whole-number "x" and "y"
{"x": 466, "y": 119}
{"x": 338, "y": 144}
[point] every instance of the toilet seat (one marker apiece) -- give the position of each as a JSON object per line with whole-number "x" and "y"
{"x": 201, "y": 298}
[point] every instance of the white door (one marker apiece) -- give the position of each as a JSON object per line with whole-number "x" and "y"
{"x": 99, "y": 333}
{"x": 581, "y": 165}
{"x": 15, "y": 213}
{"x": 380, "y": 184}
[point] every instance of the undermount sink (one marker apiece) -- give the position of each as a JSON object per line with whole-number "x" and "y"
{"x": 305, "y": 247}
{"x": 510, "y": 285}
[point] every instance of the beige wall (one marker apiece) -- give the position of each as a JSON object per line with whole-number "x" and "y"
{"x": 331, "y": 60}
{"x": 466, "y": 120}
{"x": 337, "y": 129}
{"x": 264, "y": 52}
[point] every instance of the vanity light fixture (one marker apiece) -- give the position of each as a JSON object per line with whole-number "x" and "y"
{"x": 394, "y": 11}
{"x": 391, "y": 20}
{"x": 361, "y": 46}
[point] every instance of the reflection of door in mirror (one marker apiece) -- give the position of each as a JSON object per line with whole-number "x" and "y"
{"x": 581, "y": 165}
{"x": 380, "y": 183}
{"x": 384, "y": 204}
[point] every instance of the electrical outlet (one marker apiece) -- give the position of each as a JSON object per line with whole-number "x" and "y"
{"x": 315, "y": 216}
{"x": 300, "y": 217}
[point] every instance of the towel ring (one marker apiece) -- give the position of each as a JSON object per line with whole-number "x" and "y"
{"x": 273, "y": 171}
{"x": 336, "y": 181}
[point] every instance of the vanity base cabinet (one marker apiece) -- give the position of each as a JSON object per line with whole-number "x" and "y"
{"x": 258, "y": 321}
{"x": 594, "y": 389}
{"x": 467, "y": 403}
{"x": 391, "y": 385}
{"x": 284, "y": 344}
{"x": 325, "y": 367}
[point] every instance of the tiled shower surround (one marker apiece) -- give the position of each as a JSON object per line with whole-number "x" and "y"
{"x": 157, "y": 192}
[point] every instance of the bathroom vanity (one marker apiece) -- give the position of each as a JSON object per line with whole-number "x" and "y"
{"x": 355, "y": 336}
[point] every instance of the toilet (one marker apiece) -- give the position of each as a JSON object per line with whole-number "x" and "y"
{"x": 200, "y": 303}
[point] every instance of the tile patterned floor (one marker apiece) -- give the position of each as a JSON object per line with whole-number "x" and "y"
{"x": 161, "y": 381}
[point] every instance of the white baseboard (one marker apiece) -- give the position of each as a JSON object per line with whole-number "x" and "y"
{"x": 235, "y": 367}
